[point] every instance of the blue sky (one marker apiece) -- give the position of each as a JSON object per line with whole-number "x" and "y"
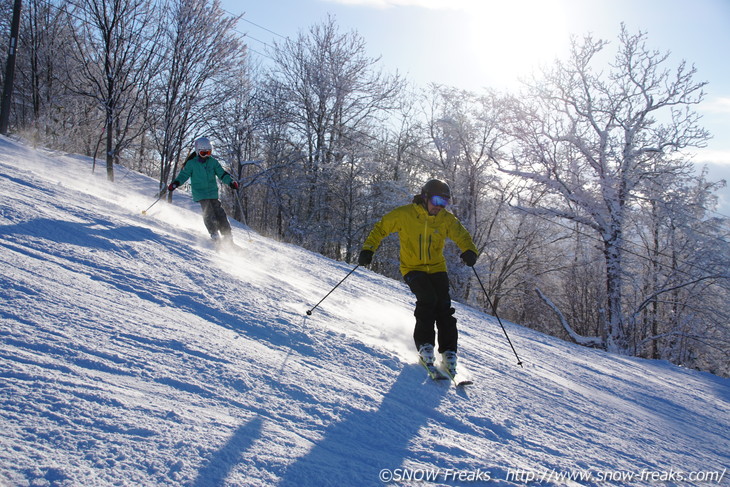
{"x": 474, "y": 44}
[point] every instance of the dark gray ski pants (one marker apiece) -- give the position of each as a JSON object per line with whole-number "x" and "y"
{"x": 214, "y": 217}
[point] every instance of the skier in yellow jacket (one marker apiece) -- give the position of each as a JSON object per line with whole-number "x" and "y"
{"x": 422, "y": 228}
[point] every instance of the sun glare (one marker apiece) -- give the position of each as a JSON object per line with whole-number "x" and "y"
{"x": 511, "y": 39}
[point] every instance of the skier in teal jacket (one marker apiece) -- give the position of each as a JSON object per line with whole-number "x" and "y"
{"x": 202, "y": 169}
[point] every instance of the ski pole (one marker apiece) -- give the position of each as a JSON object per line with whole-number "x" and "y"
{"x": 162, "y": 193}
{"x": 494, "y": 310}
{"x": 309, "y": 311}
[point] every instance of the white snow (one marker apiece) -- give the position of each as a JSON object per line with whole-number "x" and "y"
{"x": 133, "y": 354}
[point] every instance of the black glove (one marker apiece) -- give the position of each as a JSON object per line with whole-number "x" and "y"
{"x": 469, "y": 258}
{"x": 234, "y": 185}
{"x": 173, "y": 186}
{"x": 366, "y": 257}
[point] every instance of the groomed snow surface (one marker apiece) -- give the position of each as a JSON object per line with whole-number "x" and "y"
{"x": 132, "y": 353}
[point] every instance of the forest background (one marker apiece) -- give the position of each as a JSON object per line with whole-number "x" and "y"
{"x": 579, "y": 189}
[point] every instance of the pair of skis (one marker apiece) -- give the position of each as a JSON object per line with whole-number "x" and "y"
{"x": 443, "y": 373}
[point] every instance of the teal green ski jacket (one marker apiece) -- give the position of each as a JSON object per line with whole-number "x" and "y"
{"x": 202, "y": 174}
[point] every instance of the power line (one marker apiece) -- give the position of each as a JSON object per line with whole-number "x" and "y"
{"x": 706, "y": 223}
{"x": 368, "y": 146}
{"x": 262, "y": 27}
{"x": 155, "y": 52}
{"x": 247, "y": 35}
{"x": 623, "y": 248}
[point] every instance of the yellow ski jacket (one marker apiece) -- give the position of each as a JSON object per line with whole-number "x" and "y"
{"x": 422, "y": 237}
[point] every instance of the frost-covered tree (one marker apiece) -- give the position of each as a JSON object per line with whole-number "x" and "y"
{"x": 463, "y": 131}
{"x": 681, "y": 311}
{"x": 44, "y": 110}
{"x": 331, "y": 94}
{"x": 198, "y": 47}
{"x": 44, "y": 41}
{"x": 463, "y": 138}
{"x": 593, "y": 136}
{"x": 235, "y": 121}
{"x": 114, "y": 53}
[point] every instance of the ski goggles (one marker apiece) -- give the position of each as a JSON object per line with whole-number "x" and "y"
{"x": 438, "y": 200}
{"x": 204, "y": 153}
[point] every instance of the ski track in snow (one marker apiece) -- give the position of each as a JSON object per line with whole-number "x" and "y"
{"x": 133, "y": 354}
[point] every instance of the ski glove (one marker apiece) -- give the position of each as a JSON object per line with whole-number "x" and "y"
{"x": 173, "y": 186}
{"x": 366, "y": 257}
{"x": 469, "y": 258}
{"x": 234, "y": 185}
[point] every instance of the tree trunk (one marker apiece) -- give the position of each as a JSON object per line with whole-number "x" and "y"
{"x": 615, "y": 327}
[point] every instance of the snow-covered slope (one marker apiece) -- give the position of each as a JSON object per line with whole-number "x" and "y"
{"x": 133, "y": 354}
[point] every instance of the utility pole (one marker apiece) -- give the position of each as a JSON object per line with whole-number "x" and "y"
{"x": 10, "y": 69}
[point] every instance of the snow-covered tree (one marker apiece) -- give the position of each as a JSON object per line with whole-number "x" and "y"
{"x": 593, "y": 136}
{"x": 198, "y": 46}
{"x": 40, "y": 72}
{"x": 682, "y": 278}
{"x": 331, "y": 94}
{"x": 114, "y": 52}
{"x": 235, "y": 121}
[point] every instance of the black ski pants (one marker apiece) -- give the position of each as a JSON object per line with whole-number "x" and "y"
{"x": 214, "y": 217}
{"x": 433, "y": 306}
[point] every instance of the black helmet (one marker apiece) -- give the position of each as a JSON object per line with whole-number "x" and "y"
{"x": 436, "y": 188}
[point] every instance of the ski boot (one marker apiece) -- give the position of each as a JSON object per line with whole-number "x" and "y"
{"x": 426, "y": 357}
{"x": 448, "y": 362}
{"x": 426, "y": 354}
